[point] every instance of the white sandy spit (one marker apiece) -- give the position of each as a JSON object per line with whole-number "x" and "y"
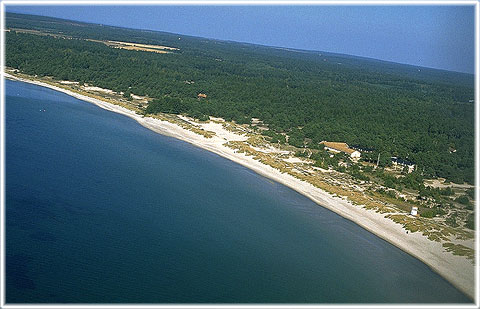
{"x": 456, "y": 269}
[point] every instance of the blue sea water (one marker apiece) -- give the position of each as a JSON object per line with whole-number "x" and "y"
{"x": 102, "y": 210}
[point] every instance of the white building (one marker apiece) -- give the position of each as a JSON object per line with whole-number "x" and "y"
{"x": 414, "y": 211}
{"x": 403, "y": 163}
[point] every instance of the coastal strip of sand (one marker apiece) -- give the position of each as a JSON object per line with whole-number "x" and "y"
{"x": 458, "y": 270}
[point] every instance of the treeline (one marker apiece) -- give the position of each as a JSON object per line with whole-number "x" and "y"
{"x": 429, "y": 123}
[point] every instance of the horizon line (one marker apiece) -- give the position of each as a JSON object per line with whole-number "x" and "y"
{"x": 295, "y": 49}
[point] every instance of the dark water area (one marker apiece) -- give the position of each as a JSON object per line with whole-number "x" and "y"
{"x": 102, "y": 210}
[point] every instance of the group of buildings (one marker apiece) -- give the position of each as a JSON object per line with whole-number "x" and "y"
{"x": 397, "y": 162}
{"x": 355, "y": 154}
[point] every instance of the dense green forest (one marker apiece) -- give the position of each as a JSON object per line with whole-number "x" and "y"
{"x": 413, "y": 113}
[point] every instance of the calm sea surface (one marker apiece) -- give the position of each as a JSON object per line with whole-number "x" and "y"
{"x": 100, "y": 209}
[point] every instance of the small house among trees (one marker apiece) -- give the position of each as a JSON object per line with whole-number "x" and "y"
{"x": 201, "y": 96}
{"x": 362, "y": 149}
{"x": 403, "y": 163}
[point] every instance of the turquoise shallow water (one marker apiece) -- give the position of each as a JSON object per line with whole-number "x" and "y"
{"x": 101, "y": 210}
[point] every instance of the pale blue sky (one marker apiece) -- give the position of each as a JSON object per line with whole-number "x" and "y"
{"x": 431, "y": 36}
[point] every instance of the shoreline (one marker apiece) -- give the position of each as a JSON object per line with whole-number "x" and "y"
{"x": 458, "y": 270}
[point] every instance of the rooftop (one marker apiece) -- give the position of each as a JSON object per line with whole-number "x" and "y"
{"x": 338, "y": 146}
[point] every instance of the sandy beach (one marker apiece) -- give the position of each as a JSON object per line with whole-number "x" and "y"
{"x": 456, "y": 269}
